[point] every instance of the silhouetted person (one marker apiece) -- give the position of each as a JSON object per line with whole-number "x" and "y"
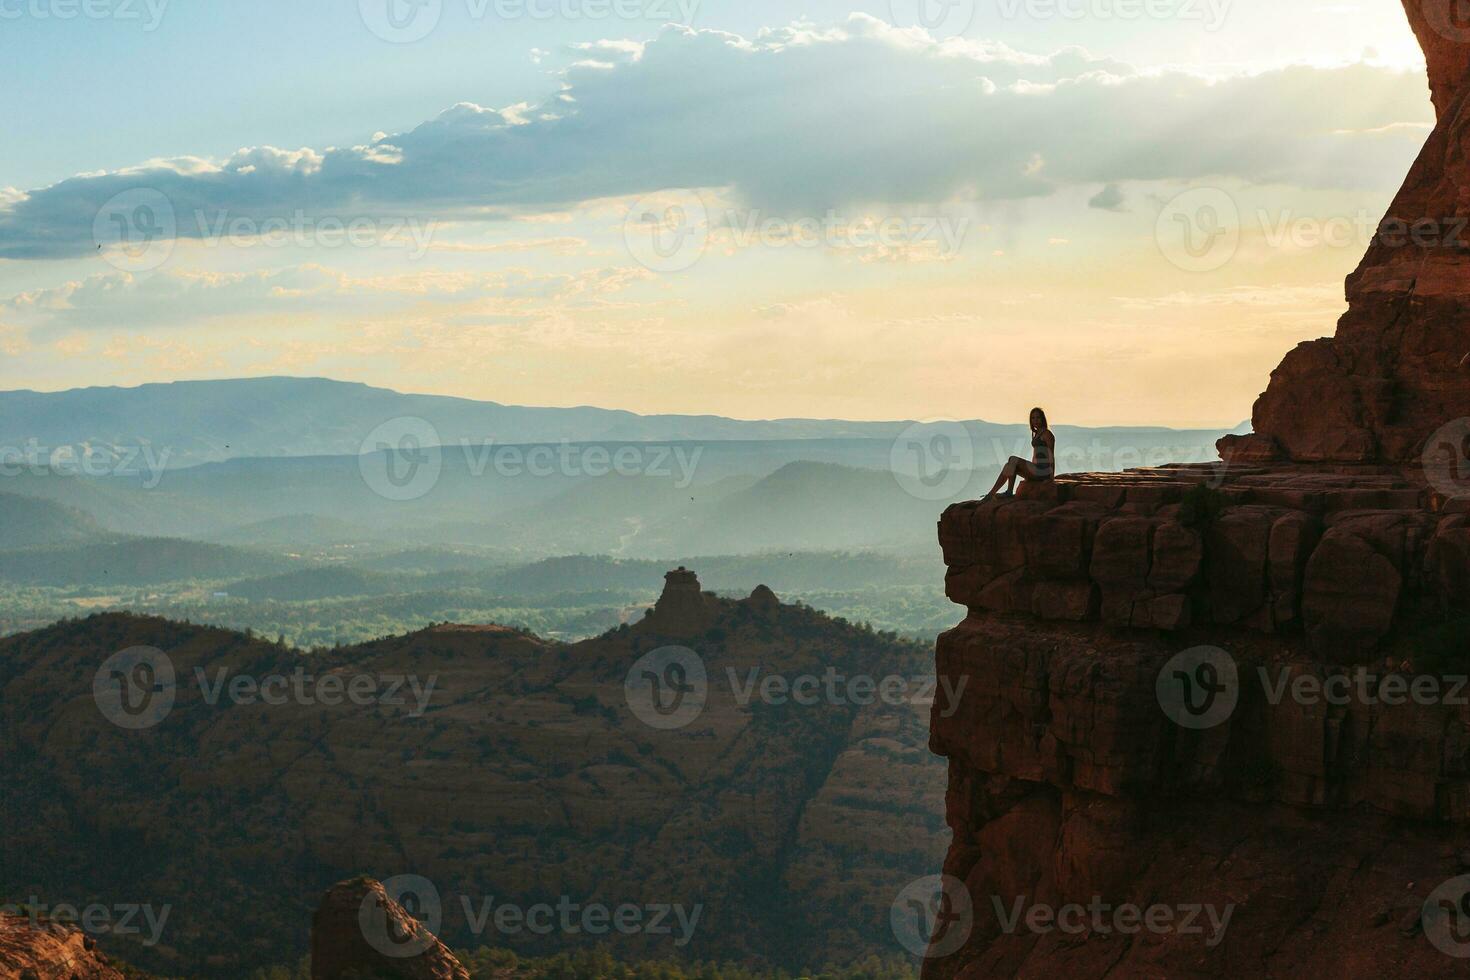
{"x": 1039, "y": 468}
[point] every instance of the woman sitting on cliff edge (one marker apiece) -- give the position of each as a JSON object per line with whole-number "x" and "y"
{"x": 1039, "y": 468}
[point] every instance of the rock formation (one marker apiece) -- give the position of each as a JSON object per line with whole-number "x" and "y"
{"x": 1393, "y": 374}
{"x": 1147, "y": 657}
{"x": 360, "y": 931}
{"x": 683, "y": 609}
{"x": 42, "y": 950}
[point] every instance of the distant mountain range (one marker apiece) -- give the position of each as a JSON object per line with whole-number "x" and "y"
{"x": 212, "y": 421}
{"x": 279, "y": 463}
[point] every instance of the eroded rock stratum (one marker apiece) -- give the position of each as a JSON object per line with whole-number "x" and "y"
{"x": 1396, "y": 371}
{"x": 1192, "y": 689}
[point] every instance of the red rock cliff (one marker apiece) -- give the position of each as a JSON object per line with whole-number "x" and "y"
{"x": 1396, "y": 370}
{"x": 1141, "y": 728}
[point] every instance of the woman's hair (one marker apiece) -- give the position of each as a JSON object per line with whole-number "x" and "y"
{"x": 1037, "y": 411}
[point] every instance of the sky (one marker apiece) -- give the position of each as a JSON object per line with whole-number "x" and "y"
{"x": 1126, "y": 211}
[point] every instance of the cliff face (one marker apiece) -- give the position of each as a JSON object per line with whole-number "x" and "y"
{"x": 1396, "y": 370}
{"x": 35, "y": 948}
{"x": 1214, "y": 722}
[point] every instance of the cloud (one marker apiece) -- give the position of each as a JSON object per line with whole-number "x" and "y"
{"x": 123, "y": 301}
{"x": 796, "y": 120}
{"x": 1110, "y": 198}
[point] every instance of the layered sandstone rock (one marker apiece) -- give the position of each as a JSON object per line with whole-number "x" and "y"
{"x": 1218, "y": 686}
{"x": 1395, "y": 372}
{"x": 1337, "y": 558}
{"x": 43, "y": 950}
{"x": 360, "y": 931}
{"x": 1322, "y": 823}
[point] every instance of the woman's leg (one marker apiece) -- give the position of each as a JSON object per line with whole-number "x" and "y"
{"x": 1007, "y": 476}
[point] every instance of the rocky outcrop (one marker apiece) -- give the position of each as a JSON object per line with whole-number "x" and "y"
{"x": 360, "y": 931}
{"x": 1188, "y": 688}
{"x": 1396, "y": 370}
{"x": 1235, "y": 692}
{"x": 683, "y": 609}
{"x": 39, "y": 949}
{"x": 1335, "y": 558}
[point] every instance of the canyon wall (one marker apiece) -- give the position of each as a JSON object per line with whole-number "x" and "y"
{"x": 1399, "y": 366}
{"x": 1213, "y": 720}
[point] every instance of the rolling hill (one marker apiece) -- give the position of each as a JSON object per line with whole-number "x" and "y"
{"x": 525, "y": 773}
